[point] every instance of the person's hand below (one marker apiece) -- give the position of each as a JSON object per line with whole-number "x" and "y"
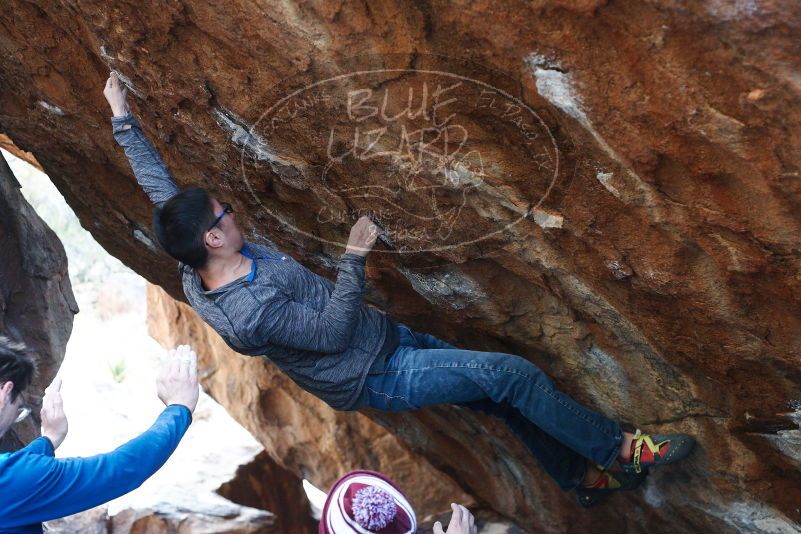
{"x": 362, "y": 237}
{"x": 54, "y": 421}
{"x": 462, "y": 522}
{"x": 177, "y": 380}
{"x": 117, "y": 95}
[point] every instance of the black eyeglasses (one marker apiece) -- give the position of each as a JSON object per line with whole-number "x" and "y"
{"x": 226, "y": 209}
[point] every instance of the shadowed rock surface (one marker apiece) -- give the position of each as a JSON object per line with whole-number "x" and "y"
{"x": 36, "y": 300}
{"x": 613, "y": 193}
{"x": 265, "y": 485}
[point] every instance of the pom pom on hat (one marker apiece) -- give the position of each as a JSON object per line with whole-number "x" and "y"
{"x": 362, "y": 502}
{"x": 373, "y": 508}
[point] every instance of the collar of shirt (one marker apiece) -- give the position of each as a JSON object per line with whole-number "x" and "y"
{"x": 251, "y": 253}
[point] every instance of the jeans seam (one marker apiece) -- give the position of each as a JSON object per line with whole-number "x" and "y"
{"x": 390, "y": 397}
{"x": 510, "y": 371}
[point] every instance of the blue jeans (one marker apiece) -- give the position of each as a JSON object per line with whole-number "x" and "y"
{"x": 557, "y": 430}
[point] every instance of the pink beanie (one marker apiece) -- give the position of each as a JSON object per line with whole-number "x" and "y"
{"x": 366, "y": 502}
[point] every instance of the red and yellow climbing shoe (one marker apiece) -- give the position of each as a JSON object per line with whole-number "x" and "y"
{"x": 648, "y": 450}
{"x": 608, "y": 483}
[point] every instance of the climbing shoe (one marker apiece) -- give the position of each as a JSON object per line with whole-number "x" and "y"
{"x": 649, "y": 450}
{"x": 607, "y": 484}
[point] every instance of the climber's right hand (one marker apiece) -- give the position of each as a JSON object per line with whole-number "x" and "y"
{"x": 462, "y": 522}
{"x": 117, "y": 95}
{"x": 362, "y": 237}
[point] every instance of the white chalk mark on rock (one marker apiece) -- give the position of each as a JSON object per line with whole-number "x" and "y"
{"x": 547, "y": 219}
{"x": 139, "y": 235}
{"x": 450, "y": 287}
{"x": 126, "y": 81}
{"x": 606, "y": 180}
{"x": 104, "y": 53}
{"x": 619, "y": 270}
{"x": 242, "y": 134}
{"x": 557, "y": 87}
{"x": 55, "y": 110}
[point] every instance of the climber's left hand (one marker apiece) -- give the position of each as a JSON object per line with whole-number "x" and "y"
{"x": 116, "y": 95}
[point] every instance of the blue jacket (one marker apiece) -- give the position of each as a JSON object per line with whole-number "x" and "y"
{"x": 35, "y": 486}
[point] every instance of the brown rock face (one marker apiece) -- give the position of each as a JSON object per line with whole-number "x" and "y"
{"x": 610, "y": 189}
{"x": 36, "y": 301}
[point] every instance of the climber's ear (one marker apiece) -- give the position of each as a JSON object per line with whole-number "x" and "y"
{"x": 214, "y": 238}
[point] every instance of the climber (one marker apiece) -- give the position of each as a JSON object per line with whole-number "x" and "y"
{"x": 366, "y": 501}
{"x": 350, "y": 355}
{"x": 38, "y": 487}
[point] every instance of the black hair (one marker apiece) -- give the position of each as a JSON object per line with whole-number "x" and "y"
{"x": 181, "y": 224}
{"x": 17, "y": 365}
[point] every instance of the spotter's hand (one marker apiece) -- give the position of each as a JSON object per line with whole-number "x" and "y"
{"x": 177, "y": 381}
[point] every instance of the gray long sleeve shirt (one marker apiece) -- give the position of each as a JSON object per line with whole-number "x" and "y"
{"x": 319, "y": 333}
